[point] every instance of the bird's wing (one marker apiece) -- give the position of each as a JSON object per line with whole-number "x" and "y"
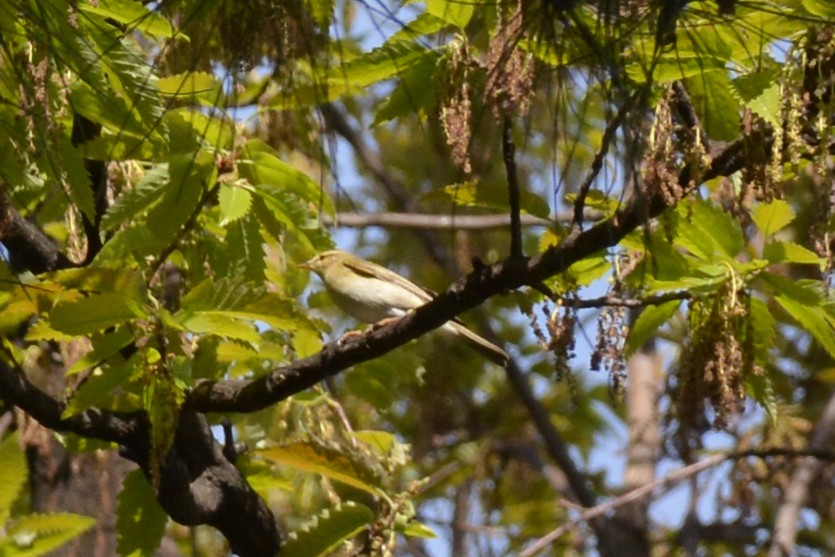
{"x": 390, "y": 276}
{"x": 387, "y": 275}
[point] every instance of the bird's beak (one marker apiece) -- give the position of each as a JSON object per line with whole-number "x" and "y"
{"x": 305, "y": 265}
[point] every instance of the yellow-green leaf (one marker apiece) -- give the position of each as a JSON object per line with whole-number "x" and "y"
{"x": 312, "y": 459}
{"x": 93, "y": 313}
{"x": 772, "y": 217}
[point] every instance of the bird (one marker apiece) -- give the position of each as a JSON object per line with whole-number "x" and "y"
{"x": 372, "y": 293}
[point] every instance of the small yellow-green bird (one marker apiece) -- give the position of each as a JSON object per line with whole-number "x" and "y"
{"x": 371, "y": 293}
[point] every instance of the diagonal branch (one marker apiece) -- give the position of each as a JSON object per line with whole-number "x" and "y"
{"x": 596, "y": 166}
{"x": 513, "y": 193}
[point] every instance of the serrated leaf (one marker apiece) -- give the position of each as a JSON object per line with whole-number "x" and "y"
{"x": 132, "y": 14}
{"x": 315, "y": 460}
{"x": 161, "y": 400}
{"x": 382, "y": 63}
{"x": 772, "y": 217}
{"x": 234, "y": 202}
{"x": 476, "y": 194}
{"x": 219, "y": 323}
{"x": 803, "y": 304}
{"x": 764, "y": 330}
{"x": 424, "y": 24}
{"x": 105, "y": 345}
{"x": 97, "y": 280}
{"x": 760, "y": 91}
{"x": 98, "y": 387}
{"x": 133, "y": 202}
{"x": 456, "y": 13}
{"x": 710, "y": 92}
{"x": 820, "y": 8}
{"x": 415, "y": 94}
{"x": 648, "y": 322}
{"x": 140, "y": 521}
{"x": 37, "y": 534}
{"x": 761, "y": 389}
{"x": 789, "y": 252}
{"x": 93, "y": 313}
{"x": 190, "y": 84}
{"x": 322, "y": 11}
{"x": 242, "y": 255}
{"x": 261, "y": 166}
{"x": 707, "y": 231}
{"x": 180, "y": 198}
{"x": 327, "y": 530}
{"x": 13, "y": 474}
{"x": 76, "y": 178}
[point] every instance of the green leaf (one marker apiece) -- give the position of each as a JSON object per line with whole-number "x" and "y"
{"x": 761, "y": 389}
{"x": 772, "y": 217}
{"x": 330, "y": 463}
{"x": 191, "y": 85}
{"x": 707, "y": 231}
{"x": 132, "y": 14}
{"x": 180, "y": 198}
{"x": 820, "y": 8}
{"x": 415, "y": 94}
{"x": 243, "y": 251}
{"x": 234, "y": 201}
{"x": 382, "y": 63}
{"x": 789, "y": 252}
{"x": 161, "y": 400}
{"x": 424, "y": 24}
{"x": 415, "y": 529}
{"x": 93, "y": 313}
{"x": 803, "y": 303}
{"x": 322, "y": 11}
{"x": 140, "y": 521}
{"x": 104, "y": 346}
{"x": 493, "y": 195}
{"x": 710, "y": 92}
{"x": 648, "y": 322}
{"x": 76, "y": 178}
{"x": 764, "y": 330}
{"x": 96, "y": 280}
{"x": 219, "y": 323}
{"x": 133, "y": 202}
{"x": 99, "y": 387}
{"x": 760, "y": 91}
{"x": 38, "y": 534}
{"x": 456, "y": 13}
{"x": 261, "y": 166}
{"x": 13, "y": 474}
{"x": 326, "y": 531}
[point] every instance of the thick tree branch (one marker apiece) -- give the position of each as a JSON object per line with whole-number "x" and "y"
{"x": 84, "y": 130}
{"x": 28, "y": 246}
{"x": 198, "y": 484}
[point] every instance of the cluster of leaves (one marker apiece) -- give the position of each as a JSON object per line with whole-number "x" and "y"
{"x": 29, "y": 535}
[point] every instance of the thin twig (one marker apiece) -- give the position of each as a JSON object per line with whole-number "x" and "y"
{"x": 615, "y": 301}
{"x": 441, "y": 222}
{"x": 667, "y": 481}
{"x": 169, "y": 249}
{"x": 596, "y": 166}
{"x": 514, "y": 196}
